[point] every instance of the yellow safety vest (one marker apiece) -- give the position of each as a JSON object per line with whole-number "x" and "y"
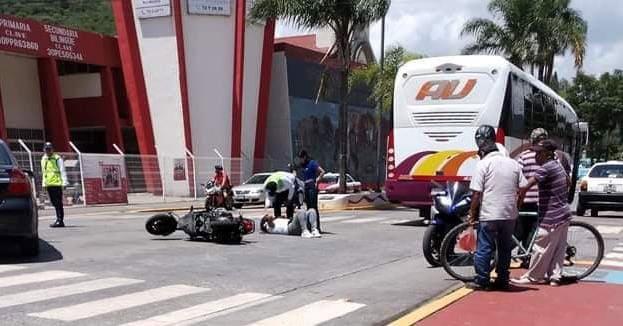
{"x": 51, "y": 171}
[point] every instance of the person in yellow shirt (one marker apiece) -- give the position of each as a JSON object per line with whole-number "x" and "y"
{"x": 54, "y": 179}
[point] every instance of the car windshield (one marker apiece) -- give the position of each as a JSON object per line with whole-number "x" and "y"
{"x": 257, "y": 179}
{"x": 607, "y": 171}
{"x": 329, "y": 179}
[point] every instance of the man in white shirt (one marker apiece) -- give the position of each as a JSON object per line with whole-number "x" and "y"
{"x": 495, "y": 187}
{"x": 297, "y": 226}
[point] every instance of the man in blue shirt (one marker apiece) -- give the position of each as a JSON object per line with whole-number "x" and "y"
{"x": 311, "y": 172}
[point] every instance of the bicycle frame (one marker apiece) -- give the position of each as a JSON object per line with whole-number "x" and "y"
{"x": 524, "y": 252}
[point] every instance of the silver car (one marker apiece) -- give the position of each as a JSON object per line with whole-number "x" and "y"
{"x": 251, "y": 192}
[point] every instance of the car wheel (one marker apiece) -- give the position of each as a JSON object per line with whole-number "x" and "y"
{"x": 580, "y": 210}
{"x": 594, "y": 213}
{"x": 30, "y": 246}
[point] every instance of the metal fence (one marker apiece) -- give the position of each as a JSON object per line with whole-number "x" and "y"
{"x": 112, "y": 178}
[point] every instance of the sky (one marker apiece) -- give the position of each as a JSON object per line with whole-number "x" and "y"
{"x": 432, "y": 28}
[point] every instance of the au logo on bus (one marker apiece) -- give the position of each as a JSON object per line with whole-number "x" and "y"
{"x": 445, "y": 90}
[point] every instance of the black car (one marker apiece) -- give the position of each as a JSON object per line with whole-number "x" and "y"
{"x": 19, "y": 219}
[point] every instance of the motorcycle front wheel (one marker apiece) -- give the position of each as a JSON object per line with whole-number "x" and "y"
{"x": 161, "y": 224}
{"x": 431, "y": 244}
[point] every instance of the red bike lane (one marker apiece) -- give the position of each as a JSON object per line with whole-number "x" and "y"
{"x": 597, "y": 302}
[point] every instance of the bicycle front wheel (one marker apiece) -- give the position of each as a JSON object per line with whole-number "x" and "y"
{"x": 585, "y": 250}
{"x": 456, "y": 261}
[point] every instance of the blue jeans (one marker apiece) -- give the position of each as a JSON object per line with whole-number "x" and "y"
{"x": 491, "y": 235}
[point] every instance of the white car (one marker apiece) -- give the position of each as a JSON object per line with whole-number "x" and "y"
{"x": 251, "y": 192}
{"x": 602, "y": 189}
{"x": 329, "y": 183}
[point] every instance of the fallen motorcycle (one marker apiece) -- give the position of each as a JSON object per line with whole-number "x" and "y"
{"x": 217, "y": 225}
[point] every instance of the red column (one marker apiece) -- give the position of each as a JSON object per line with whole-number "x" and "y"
{"x": 264, "y": 94}
{"x": 54, "y": 117}
{"x": 133, "y": 75}
{"x": 3, "y": 133}
{"x": 236, "y": 128}
{"x": 237, "y": 93}
{"x": 181, "y": 57}
{"x": 136, "y": 89}
{"x": 111, "y": 116}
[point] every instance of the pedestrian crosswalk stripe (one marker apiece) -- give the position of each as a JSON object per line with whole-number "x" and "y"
{"x": 36, "y": 278}
{"x": 63, "y": 291}
{"x": 10, "y": 268}
{"x": 606, "y": 229}
{"x": 336, "y": 218}
{"x": 614, "y": 255}
{"x": 203, "y": 310}
{"x": 200, "y": 320}
{"x": 312, "y": 314}
{"x": 104, "y": 306}
{"x": 613, "y": 263}
{"x": 618, "y": 249}
{"x": 365, "y": 220}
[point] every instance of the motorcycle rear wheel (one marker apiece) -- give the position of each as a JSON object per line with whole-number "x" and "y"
{"x": 161, "y": 224}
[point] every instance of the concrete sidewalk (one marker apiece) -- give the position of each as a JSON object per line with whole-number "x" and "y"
{"x": 596, "y": 302}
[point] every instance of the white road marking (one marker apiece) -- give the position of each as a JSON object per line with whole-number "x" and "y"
{"x": 617, "y": 249}
{"x": 604, "y": 229}
{"x": 10, "y": 268}
{"x": 365, "y": 220}
{"x": 104, "y": 306}
{"x": 396, "y": 221}
{"x": 613, "y": 263}
{"x": 312, "y": 314}
{"x": 36, "y": 278}
{"x": 614, "y": 255}
{"x": 203, "y": 310}
{"x": 336, "y": 218}
{"x": 63, "y": 291}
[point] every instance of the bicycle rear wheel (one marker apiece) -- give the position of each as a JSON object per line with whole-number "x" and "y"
{"x": 456, "y": 261}
{"x": 585, "y": 250}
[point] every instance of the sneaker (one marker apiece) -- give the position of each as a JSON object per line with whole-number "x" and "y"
{"x": 58, "y": 224}
{"x": 522, "y": 281}
{"x": 476, "y": 287}
{"x": 554, "y": 283}
{"x": 500, "y": 286}
{"x": 316, "y": 234}
{"x": 306, "y": 234}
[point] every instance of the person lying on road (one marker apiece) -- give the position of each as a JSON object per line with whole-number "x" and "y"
{"x": 297, "y": 226}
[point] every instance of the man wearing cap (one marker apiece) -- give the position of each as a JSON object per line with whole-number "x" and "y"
{"x": 551, "y": 244}
{"x": 280, "y": 188}
{"x": 54, "y": 179}
{"x": 527, "y": 159}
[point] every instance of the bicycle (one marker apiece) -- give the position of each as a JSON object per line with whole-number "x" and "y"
{"x": 585, "y": 250}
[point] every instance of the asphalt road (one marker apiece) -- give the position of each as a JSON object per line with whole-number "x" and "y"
{"x": 104, "y": 269}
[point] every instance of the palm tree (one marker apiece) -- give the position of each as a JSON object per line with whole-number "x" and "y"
{"x": 530, "y": 33}
{"x": 558, "y": 28}
{"x": 345, "y": 18}
{"x": 509, "y": 35}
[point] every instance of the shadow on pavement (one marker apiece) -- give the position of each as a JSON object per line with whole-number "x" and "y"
{"x": 10, "y": 253}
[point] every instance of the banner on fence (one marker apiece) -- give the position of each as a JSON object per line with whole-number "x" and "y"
{"x": 105, "y": 179}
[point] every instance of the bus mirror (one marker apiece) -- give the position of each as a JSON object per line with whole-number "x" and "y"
{"x": 584, "y": 131}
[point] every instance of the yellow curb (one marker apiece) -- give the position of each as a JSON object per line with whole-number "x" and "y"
{"x": 430, "y": 308}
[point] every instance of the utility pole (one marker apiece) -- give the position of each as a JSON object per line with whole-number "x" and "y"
{"x": 379, "y": 116}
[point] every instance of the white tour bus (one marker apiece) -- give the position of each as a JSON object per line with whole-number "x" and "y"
{"x": 440, "y": 102}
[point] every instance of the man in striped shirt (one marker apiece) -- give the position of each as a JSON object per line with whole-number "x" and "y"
{"x": 527, "y": 223}
{"x": 551, "y": 244}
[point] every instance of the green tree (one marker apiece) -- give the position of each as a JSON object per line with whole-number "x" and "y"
{"x": 599, "y": 101}
{"x": 89, "y": 15}
{"x": 382, "y": 83}
{"x": 508, "y": 34}
{"x": 530, "y": 33}
{"x": 345, "y": 18}
{"x": 557, "y": 28}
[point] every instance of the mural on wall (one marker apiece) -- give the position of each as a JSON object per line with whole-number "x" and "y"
{"x": 314, "y": 128}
